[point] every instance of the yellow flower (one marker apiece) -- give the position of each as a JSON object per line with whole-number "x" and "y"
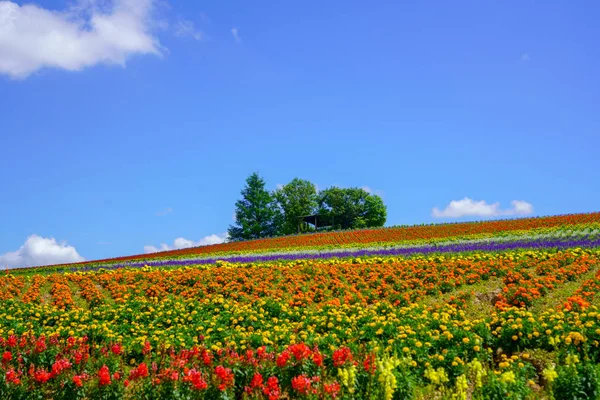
{"x": 549, "y": 374}
{"x": 508, "y": 377}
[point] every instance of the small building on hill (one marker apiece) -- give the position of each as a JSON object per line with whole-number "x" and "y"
{"x": 315, "y": 221}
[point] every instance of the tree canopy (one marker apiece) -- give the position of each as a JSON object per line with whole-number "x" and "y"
{"x": 261, "y": 214}
{"x": 352, "y": 208}
{"x": 296, "y": 199}
{"x": 254, "y": 212}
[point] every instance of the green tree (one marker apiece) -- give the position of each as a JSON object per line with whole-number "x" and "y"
{"x": 254, "y": 212}
{"x": 294, "y": 200}
{"x": 374, "y": 211}
{"x": 352, "y": 208}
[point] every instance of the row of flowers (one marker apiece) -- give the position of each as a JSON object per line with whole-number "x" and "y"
{"x": 527, "y": 276}
{"x": 556, "y": 235}
{"x": 71, "y": 368}
{"x": 441, "y": 336}
{"x": 372, "y": 236}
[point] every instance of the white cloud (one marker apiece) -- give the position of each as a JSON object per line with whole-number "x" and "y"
{"x": 164, "y": 212}
{"x": 372, "y": 191}
{"x": 521, "y": 207}
{"x": 468, "y": 207}
{"x": 279, "y": 186}
{"x": 153, "y": 249}
{"x": 185, "y": 28}
{"x": 32, "y": 38}
{"x": 236, "y": 35}
{"x": 183, "y": 243}
{"x": 525, "y": 57}
{"x": 37, "y": 251}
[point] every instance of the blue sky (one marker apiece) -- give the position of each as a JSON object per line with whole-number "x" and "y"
{"x": 131, "y": 123}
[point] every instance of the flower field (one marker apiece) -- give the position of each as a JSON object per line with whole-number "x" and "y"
{"x": 493, "y": 310}
{"x": 555, "y": 226}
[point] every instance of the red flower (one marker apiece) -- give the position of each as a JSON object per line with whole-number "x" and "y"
{"x": 126, "y": 383}
{"x": 78, "y": 357}
{"x": 40, "y": 344}
{"x": 6, "y": 357}
{"x": 303, "y": 384}
{"x": 77, "y": 381}
{"x": 195, "y": 378}
{"x": 333, "y": 389}
{"x": 104, "y": 375}
{"x": 12, "y": 341}
{"x": 206, "y": 357}
{"x": 147, "y": 348}
{"x": 257, "y": 381}
{"x": 225, "y": 376}
{"x": 369, "y": 364}
{"x": 42, "y": 376}
{"x": 318, "y": 359}
{"x": 341, "y": 356}
{"x": 283, "y": 359}
{"x": 140, "y": 372}
{"x": 60, "y": 365}
{"x": 300, "y": 351}
{"x": 261, "y": 352}
{"x": 272, "y": 390}
{"x": 116, "y": 349}
{"x": 12, "y": 377}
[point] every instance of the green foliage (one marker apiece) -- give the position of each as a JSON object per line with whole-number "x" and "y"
{"x": 254, "y": 212}
{"x": 352, "y": 208}
{"x": 296, "y": 199}
{"x": 405, "y": 384}
{"x": 500, "y": 388}
{"x": 580, "y": 381}
{"x": 262, "y": 214}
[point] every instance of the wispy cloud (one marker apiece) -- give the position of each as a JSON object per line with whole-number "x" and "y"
{"x": 187, "y": 29}
{"x": 164, "y": 212}
{"x": 236, "y": 35}
{"x": 37, "y": 251}
{"x": 372, "y": 191}
{"x": 32, "y": 37}
{"x": 183, "y": 243}
{"x": 471, "y": 208}
{"x": 525, "y": 57}
{"x": 204, "y": 18}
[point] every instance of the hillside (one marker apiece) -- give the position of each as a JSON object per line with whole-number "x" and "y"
{"x": 498, "y": 309}
{"x": 359, "y": 239}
